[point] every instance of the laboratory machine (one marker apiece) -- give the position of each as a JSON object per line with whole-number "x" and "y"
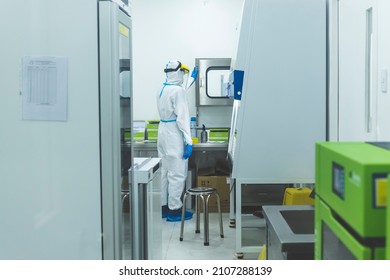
{"x": 351, "y": 200}
{"x": 282, "y": 111}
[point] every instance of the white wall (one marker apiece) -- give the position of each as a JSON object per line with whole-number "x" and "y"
{"x": 181, "y": 30}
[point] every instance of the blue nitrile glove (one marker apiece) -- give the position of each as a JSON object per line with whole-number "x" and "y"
{"x": 188, "y": 151}
{"x": 194, "y": 73}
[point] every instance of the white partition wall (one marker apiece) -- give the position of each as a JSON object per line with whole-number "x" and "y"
{"x": 49, "y": 182}
{"x": 50, "y": 169}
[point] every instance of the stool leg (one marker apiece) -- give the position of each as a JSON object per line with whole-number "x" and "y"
{"x": 220, "y": 216}
{"x": 197, "y": 230}
{"x": 182, "y": 216}
{"x": 206, "y": 221}
{"x": 124, "y": 197}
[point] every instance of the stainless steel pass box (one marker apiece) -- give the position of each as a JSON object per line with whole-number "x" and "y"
{"x": 212, "y": 82}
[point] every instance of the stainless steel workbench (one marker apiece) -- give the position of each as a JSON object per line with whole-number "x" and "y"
{"x": 206, "y": 158}
{"x": 210, "y": 146}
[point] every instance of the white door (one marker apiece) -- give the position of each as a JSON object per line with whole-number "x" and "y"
{"x": 357, "y": 64}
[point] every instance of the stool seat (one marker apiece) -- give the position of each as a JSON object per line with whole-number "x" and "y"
{"x": 204, "y": 193}
{"x": 199, "y": 190}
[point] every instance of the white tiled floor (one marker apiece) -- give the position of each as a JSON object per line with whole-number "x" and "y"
{"x": 192, "y": 247}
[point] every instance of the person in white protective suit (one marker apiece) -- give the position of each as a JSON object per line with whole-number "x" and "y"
{"x": 174, "y": 142}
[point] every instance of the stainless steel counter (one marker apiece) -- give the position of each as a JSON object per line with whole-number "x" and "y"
{"x": 206, "y": 158}
{"x": 210, "y": 146}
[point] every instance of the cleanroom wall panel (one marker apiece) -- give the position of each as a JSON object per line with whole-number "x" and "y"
{"x": 49, "y": 170}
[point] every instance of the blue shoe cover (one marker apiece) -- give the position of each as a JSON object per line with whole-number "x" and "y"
{"x": 175, "y": 216}
{"x": 164, "y": 211}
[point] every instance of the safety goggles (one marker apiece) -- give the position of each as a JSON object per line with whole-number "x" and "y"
{"x": 181, "y": 66}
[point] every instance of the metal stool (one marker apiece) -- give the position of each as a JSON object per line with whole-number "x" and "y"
{"x": 204, "y": 193}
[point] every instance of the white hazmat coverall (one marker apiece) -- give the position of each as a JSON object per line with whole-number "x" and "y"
{"x": 173, "y": 135}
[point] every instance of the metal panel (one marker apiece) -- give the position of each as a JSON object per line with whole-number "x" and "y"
{"x": 111, "y": 22}
{"x": 146, "y": 209}
{"x": 125, "y": 5}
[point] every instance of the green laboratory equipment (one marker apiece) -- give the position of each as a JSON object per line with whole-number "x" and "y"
{"x": 351, "y": 197}
{"x": 388, "y": 222}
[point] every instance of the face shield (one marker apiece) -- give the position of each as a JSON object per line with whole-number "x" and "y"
{"x": 177, "y": 73}
{"x": 186, "y": 75}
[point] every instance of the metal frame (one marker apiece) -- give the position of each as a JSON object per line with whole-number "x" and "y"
{"x": 333, "y": 69}
{"x": 109, "y": 18}
{"x": 144, "y": 171}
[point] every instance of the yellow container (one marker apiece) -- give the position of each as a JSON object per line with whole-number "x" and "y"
{"x": 263, "y": 253}
{"x": 297, "y": 196}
